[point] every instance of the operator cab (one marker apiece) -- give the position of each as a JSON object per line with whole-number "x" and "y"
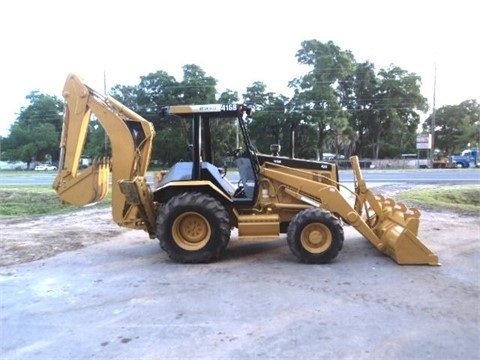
{"x": 207, "y": 160}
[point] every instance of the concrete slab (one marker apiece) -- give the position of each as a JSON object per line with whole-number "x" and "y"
{"x": 124, "y": 299}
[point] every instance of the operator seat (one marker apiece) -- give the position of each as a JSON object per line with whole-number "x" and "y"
{"x": 247, "y": 176}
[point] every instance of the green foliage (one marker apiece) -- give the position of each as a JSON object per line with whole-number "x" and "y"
{"x": 317, "y": 94}
{"x": 97, "y": 144}
{"x": 25, "y": 201}
{"x": 271, "y": 124}
{"x": 338, "y": 106}
{"x": 35, "y": 135}
{"x": 170, "y": 146}
{"x": 397, "y": 99}
{"x": 228, "y": 96}
{"x": 35, "y": 200}
{"x": 223, "y": 139}
{"x": 464, "y": 199}
{"x": 197, "y": 88}
{"x": 154, "y": 91}
{"x": 456, "y": 126}
{"x": 127, "y": 95}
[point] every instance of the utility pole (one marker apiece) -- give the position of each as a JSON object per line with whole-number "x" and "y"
{"x": 432, "y": 129}
{"x": 237, "y": 134}
{"x": 105, "y": 139}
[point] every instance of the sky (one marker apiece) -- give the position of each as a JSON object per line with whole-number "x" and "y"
{"x": 236, "y": 43}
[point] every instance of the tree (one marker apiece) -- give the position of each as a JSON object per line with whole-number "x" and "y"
{"x": 270, "y": 123}
{"x": 160, "y": 89}
{"x": 383, "y": 109}
{"x": 456, "y": 126}
{"x": 256, "y": 95}
{"x": 357, "y": 94}
{"x": 225, "y": 134}
{"x": 126, "y": 94}
{"x": 197, "y": 88}
{"x": 315, "y": 94}
{"x": 228, "y": 96}
{"x": 395, "y": 117}
{"x": 339, "y": 135}
{"x": 303, "y": 138}
{"x": 35, "y": 135}
{"x": 338, "y": 106}
{"x": 96, "y": 145}
{"x": 155, "y": 91}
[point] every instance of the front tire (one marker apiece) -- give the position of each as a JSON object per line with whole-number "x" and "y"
{"x": 315, "y": 236}
{"x": 193, "y": 228}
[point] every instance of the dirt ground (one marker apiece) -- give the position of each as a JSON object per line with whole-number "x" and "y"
{"x": 111, "y": 293}
{"x": 28, "y": 239}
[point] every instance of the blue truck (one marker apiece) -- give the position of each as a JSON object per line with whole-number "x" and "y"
{"x": 468, "y": 158}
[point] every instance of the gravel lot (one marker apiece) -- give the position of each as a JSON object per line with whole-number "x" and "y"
{"x": 79, "y": 287}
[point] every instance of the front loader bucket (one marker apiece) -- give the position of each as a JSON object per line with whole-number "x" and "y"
{"x": 396, "y": 228}
{"x": 391, "y": 227}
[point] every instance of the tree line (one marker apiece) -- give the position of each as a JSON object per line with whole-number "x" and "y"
{"x": 338, "y": 106}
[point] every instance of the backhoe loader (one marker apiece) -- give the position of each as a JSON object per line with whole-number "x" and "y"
{"x": 192, "y": 207}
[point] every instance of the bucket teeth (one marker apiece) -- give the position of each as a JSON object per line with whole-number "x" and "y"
{"x": 397, "y": 230}
{"x": 90, "y": 186}
{"x": 391, "y": 227}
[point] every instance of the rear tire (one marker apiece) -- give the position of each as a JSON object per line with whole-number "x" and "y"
{"x": 193, "y": 228}
{"x": 315, "y": 236}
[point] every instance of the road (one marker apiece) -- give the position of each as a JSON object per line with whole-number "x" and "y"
{"x": 418, "y": 176}
{"x": 373, "y": 177}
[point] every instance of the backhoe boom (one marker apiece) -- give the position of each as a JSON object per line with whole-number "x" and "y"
{"x": 130, "y": 137}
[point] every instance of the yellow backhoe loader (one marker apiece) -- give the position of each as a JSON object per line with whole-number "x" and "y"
{"x": 193, "y": 207}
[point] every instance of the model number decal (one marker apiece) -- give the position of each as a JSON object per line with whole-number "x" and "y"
{"x": 229, "y": 107}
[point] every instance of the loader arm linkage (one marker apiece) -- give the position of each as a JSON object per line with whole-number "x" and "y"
{"x": 391, "y": 227}
{"x": 130, "y": 137}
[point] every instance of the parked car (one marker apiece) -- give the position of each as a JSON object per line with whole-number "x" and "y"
{"x": 45, "y": 167}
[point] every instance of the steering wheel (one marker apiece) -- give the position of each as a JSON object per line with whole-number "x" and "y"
{"x": 234, "y": 152}
{"x": 240, "y": 191}
{"x": 222, "y": 171}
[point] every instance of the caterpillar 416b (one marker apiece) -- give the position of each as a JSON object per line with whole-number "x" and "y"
{"x": 193, "y": 207}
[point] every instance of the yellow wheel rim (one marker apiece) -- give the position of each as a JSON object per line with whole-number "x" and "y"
{"x": 191, "y": 231}
{"x": 316, "y": 238}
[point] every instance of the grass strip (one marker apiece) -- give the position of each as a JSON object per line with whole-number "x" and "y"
{"x": 42, "y": 200}
{"x": 34, "y": 200}
{"x": 459, "y": 198}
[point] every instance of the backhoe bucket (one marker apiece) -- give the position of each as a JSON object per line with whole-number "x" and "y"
{"x": 89, "y": 187}
{"x": 397, "y": 229}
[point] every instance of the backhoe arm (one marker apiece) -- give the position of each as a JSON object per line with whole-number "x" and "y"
{"x": 130, "y": 137}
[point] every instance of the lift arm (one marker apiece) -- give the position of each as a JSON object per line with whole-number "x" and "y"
{"x": 130, "y": 136}
{"x": 391, "y": 227}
